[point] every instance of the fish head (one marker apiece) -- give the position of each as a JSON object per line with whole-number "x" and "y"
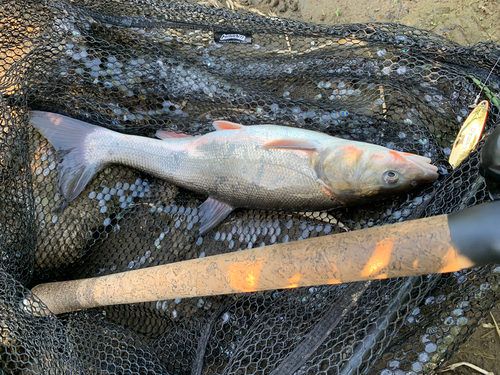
{"x": 353, "y": 173}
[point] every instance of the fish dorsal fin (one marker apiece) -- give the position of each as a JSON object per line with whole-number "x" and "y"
{"x": 299, "y": 144}
{"x": 212, "y": 212}
{"x": 166, "y": 134}
{"x": 227, "y": 125}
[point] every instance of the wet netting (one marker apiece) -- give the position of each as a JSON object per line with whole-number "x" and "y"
{"x": 139, "y": 66}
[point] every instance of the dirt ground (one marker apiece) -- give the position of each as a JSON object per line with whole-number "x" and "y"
{"x": 462, "y": 21}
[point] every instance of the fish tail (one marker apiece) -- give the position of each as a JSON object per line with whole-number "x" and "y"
{"x": 68, "y": 136}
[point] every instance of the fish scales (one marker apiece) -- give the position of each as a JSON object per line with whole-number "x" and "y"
{"x": 261, "y": 167}
{"x": 229, "y": 165}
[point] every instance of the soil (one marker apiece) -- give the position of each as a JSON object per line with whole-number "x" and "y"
{"x": 481, "y": 349}
{"x": 463, "y": 22}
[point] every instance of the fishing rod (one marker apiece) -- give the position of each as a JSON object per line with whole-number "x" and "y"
{"x": 439, "y": 244}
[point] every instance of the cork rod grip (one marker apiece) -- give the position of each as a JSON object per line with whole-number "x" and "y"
{"x": 409, "y": 248}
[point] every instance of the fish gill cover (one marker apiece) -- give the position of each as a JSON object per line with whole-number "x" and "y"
{"x": 141, "y": 66}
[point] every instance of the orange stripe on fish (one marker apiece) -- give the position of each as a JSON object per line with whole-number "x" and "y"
{"x": 351, "y": 156}
{"x": 353, "y": 153}
{"x": 380, "y": 257}
{"x": 397, "y": 156}
{"x": 353, "y": 150}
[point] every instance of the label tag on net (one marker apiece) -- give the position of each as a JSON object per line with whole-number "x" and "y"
{"x": 232, "y": 37}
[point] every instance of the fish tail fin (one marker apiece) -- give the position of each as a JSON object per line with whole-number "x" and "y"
{"x": 67, "y": 136}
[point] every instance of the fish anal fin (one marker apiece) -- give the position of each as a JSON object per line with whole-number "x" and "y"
{"x": 212, "y": 212}
{"x": 227, "y": 125}
{"x": 299, "y": 144}
{"x": 166, "y": 134}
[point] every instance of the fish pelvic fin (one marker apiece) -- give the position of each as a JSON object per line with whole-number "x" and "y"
{"x": 67, "y": 136}
{"x": 212, "y": 212}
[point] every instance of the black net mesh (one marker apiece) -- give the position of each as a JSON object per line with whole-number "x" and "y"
{"x": 139, "y": 66}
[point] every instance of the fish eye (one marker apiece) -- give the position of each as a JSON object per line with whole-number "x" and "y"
{"x": 391, "y": 177}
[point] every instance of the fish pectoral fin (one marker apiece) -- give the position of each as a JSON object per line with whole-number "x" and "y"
{"x": 227, "y": 125}
{"x": 299, "y": 144}
{"x": 212, "y": 212}
{"x": 166, "y": 134}
{"x": 326, "y": 189}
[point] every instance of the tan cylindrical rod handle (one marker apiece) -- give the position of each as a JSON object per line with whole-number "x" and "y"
{"x": 410, "y": 248}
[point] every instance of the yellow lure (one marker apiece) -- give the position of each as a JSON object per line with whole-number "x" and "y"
{"x": 469, "y": 134}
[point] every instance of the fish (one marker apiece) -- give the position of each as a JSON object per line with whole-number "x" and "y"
{"x": 265, "y": 166}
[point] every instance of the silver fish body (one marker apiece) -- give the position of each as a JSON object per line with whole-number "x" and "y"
{"x": 264, "y": 167}
{"x": 229, "y": 165}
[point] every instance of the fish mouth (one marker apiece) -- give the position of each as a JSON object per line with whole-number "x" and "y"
{"x": 430, "y": 171}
